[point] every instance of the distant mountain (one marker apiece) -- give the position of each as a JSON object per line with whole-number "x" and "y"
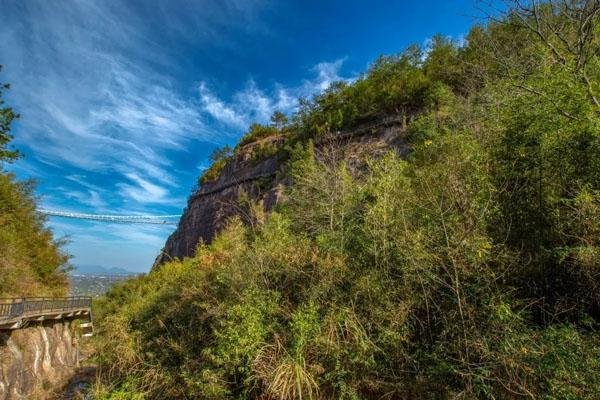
{"x": 94, "y": 285}
{"x": 99, "y": 270}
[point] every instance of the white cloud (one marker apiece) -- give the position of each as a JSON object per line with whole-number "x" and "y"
{"x": 143, "y": 191}
{"x": 93, "y": 99}
{"x": 127, "y": 130}
{"x": 90, "y": 198}
{"x": 327, "y": 73}
{"x": 254, "y": 104}
{"x": 218, "y": 109}
{"x": 100, "y": 105}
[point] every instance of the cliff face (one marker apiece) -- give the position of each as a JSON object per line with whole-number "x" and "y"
{"x": 209, "y": 208}
{"x": 35, "y": 359}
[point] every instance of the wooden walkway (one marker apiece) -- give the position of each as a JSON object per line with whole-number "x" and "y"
{"x": 16, "y": 313}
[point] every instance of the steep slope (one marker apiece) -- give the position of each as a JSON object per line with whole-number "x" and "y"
{"x": 210, "y": 206}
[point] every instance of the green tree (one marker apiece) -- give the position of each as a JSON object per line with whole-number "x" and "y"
{"x": 7, "y": 116}
{"x": 219, "y": 158}
{"x": 279, "y": 120}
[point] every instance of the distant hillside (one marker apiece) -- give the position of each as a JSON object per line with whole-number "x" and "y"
{"x": 99, "y": 270}
{"x": 94, "y": 285}
{"x": 95, "y": 280}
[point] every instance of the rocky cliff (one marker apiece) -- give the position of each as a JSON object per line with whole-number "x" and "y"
{"x": 210, "y": 206}
{"x": 37, "y": 358}
{"x": 263, "y": 181}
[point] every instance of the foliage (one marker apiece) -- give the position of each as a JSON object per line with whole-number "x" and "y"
{"x": 470, "y": 269}
{"x": 262, "y": 149}
{"x": 32, "y": 262}
{"x": 279, "y": 120}
{"x": 7, "y": 116}
{"x": 219, "y": 158}
{"x": 257, "y": 132}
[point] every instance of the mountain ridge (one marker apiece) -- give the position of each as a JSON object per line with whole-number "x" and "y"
{"x": 94, "y": 270}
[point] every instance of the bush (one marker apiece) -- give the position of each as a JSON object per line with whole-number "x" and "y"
{"x": 257, "y": 132}
{"x": 391, "y": 271}
{"x": 219, "y": 159}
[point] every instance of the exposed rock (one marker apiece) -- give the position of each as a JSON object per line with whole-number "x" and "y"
{"x": 35, "y": 359}
{"x": 209, "y": 207}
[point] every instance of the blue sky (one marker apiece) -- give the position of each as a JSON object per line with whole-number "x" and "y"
{"x": 123, "y": 101}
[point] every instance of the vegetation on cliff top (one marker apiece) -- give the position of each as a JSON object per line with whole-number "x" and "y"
{"x": 469, "y": 270}
{"x": 256, "y": 132}
{"x": 31, "y": 261}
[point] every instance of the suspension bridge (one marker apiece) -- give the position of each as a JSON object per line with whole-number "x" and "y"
{"x": 120, "y": 219}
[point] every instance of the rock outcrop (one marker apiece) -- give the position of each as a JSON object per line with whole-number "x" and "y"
{"x": 35, "y": 359}
{"x": 261, "y": 180}
{"x": 209, "y": 207}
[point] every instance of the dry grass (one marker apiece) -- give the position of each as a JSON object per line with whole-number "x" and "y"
{"x": 283, "y": 377}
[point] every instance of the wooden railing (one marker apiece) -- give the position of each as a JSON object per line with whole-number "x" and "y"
{"x": 32, "y": 306}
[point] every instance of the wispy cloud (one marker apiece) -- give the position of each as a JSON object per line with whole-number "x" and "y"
{"x": 88, "y": 197}
{"x": 254, "y": 104}
{"x": 105, "y": 109}
{"x": 219, "y": 110}
{"x": 144, "y": 191}
{"x": 327, "y": 73}
{"x": 93, "y": 87}
{"x": 128, "y": 130}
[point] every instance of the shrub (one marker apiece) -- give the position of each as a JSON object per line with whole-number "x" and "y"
{"x": 257, "y": 132}
{"x": 219, "y": 159}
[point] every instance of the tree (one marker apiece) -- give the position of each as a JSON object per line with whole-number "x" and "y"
{"x": 219, "y": 158}
{"x": 7, "y": 116}
{"x": 563, "y": 34}
{"x": 279, "y": 120}
{"x": 570, "y": 31}
{"x": 222, "y": 154}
